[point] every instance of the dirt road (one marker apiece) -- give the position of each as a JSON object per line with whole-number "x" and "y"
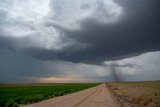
{"x": 98, "y": 96}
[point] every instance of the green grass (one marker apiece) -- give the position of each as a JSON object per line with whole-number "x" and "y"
{"x": 140, "y": 94}
{"x": 12, "y": 95}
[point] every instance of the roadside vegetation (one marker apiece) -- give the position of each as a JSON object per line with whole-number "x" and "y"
{"x": 138, "y": 94}
{"x": 11, "y": 95}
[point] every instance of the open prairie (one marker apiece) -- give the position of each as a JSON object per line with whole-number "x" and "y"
{"x": 14, "y": 94}
{"x": 115, "y": 94}
{"x": 98, "y": 96}
{"x": 138, "y": 94}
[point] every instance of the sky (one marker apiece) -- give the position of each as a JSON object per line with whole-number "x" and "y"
{"x": 79, "y": 40}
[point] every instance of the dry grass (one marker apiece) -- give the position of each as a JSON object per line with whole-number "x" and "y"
{"x": 139, "y": 94}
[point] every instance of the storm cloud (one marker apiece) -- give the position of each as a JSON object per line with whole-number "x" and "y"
{"x": 77, "y": 35}
{"x": 136, "y": 32}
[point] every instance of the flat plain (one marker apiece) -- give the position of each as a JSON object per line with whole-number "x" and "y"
{"x": 14, "y": 94}
{"x": 98, "y": 96}
{"x": 138, "y": 94}
{"x": 112, "y": 94}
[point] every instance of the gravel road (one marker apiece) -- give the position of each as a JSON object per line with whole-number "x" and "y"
{"x": 98, "y": 96}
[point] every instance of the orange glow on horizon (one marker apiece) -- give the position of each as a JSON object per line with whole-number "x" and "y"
{"x": 63, "y": 80}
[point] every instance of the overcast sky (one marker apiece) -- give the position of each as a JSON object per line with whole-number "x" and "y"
{"x": 79, "y": 40}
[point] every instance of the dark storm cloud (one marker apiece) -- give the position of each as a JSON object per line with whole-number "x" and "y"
{"x": 135, "y": 33}
{"x": 17, "y": 67}
{"x": 5, "y": 43}
{"x": 93, "y": 37}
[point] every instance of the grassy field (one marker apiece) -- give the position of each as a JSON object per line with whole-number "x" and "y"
{"x": 12, "y": 95}
{"x": 138, "y": 94}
